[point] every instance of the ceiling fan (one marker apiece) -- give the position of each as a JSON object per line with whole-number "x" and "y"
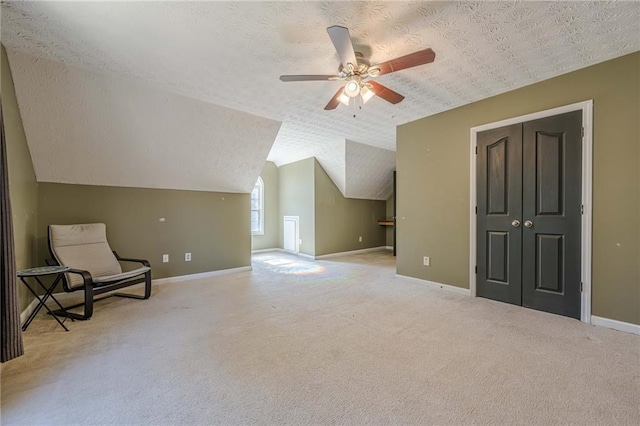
{"x": 355, "y": 70}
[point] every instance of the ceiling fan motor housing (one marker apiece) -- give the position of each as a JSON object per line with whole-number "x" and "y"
{"x": 360, "y": 69}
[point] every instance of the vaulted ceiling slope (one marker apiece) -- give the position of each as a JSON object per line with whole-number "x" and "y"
{"x": 358, "y": 170}
{"x": 369, "y": 171}
{"x": 231, "y": 54}
{"x": 85, "y": 127}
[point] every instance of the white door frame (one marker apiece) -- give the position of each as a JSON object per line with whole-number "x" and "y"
{"x": 587, "y": 177}
{"x": 295, "y": 219}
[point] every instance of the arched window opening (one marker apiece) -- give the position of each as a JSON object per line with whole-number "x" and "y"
{"x": 257, "y": 208}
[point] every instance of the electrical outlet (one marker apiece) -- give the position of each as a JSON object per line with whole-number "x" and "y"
{"x": 165, "y": 258}
{"x": 360, "y": 239}
{"x": 187, "y": 257}
{"x": 426, "y": 261}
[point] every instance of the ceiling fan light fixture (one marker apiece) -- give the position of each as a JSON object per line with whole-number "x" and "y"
{"x": 344, "y": 99}
{"x": 366, "y": 94}
{"x": 352, "y": 88}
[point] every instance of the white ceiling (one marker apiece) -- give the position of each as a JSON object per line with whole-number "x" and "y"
{"x": 231, "y": 54}
{"x": 107, "y": 130}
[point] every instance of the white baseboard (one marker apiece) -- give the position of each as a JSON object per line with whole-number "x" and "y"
{"x": 615, "y": 324}
{"x": 267, "y": 250}
{"x": 324, "y": 256}
{"x": 27, "y": 311}
{"x": 433, "y": 284}
{"x": 279, "y": 250}
{"x": 346, "y": 253}
{"x": 201, "y": 275}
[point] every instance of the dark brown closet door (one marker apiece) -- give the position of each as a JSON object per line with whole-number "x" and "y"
{"x": 529, "y": 183}
{"x": 499, "y": 231}
{"x": 551, "y": 239}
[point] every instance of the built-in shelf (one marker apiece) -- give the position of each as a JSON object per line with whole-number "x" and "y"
{"x": 385, "y": 222}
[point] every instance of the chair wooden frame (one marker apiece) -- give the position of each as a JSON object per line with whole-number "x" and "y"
{"x": 92, "y": 289}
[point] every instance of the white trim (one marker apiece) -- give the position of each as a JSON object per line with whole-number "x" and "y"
{"x": 433, "y": 284}
{"x": 627, "y": 327}
{"x": 346, "y": 253}
{"x": 267, "y": 250}
{"x": 28, "y": 310}
{"x": 330, "y": 255}
{"x": 535, "y": 116}
{"x": 587, "y": 202}
{"x": 473, "y": 200}
{"x": 200, "y": 275}
{"x": 587, "y": 182}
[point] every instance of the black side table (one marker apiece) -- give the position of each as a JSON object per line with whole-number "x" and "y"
{"x": 36, "y": 273}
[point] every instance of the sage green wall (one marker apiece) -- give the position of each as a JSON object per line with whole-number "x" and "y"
{"x": 297, "y": 199}
{"x": 214, "y": 227}
{"x": 433, "y": 181}
{"x": 340, "y": 221}
{"x": 22, "y": 181}
{"x": 270, "y": 238}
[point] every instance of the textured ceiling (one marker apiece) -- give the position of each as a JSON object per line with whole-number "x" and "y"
{"x": 231, "y": 54}
{"x": 105, "y": 130}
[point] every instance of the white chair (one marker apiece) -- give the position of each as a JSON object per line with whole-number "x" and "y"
{"x": 95, "y": 268}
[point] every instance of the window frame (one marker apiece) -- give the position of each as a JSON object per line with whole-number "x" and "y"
{"x": 259, "y": 184}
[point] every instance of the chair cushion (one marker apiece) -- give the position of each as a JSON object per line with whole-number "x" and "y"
{"x": 83, "y": 247}
{"x": 122, "y": 276}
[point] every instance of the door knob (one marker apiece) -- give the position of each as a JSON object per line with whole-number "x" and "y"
{"x": 515, "y": 223}
{"x": 528, "y": 224}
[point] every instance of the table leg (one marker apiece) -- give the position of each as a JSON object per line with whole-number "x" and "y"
{"x": 42, "y": 302}
{"x": 36, "y": 310}
{"x": 49, "y": 293}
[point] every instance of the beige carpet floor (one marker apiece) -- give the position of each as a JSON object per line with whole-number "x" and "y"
{"x": 341, "y": 341}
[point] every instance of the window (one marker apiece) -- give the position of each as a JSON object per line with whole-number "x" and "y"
{"x": 257, "y": 208}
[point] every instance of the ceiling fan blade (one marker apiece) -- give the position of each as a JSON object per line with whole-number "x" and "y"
{"x": 334, "y": 102}
{"x": 385, "y": 93}
{"x": 342, "y": 42}
{"x": 408, "y": 61}
{"x": 307, "y": 77}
